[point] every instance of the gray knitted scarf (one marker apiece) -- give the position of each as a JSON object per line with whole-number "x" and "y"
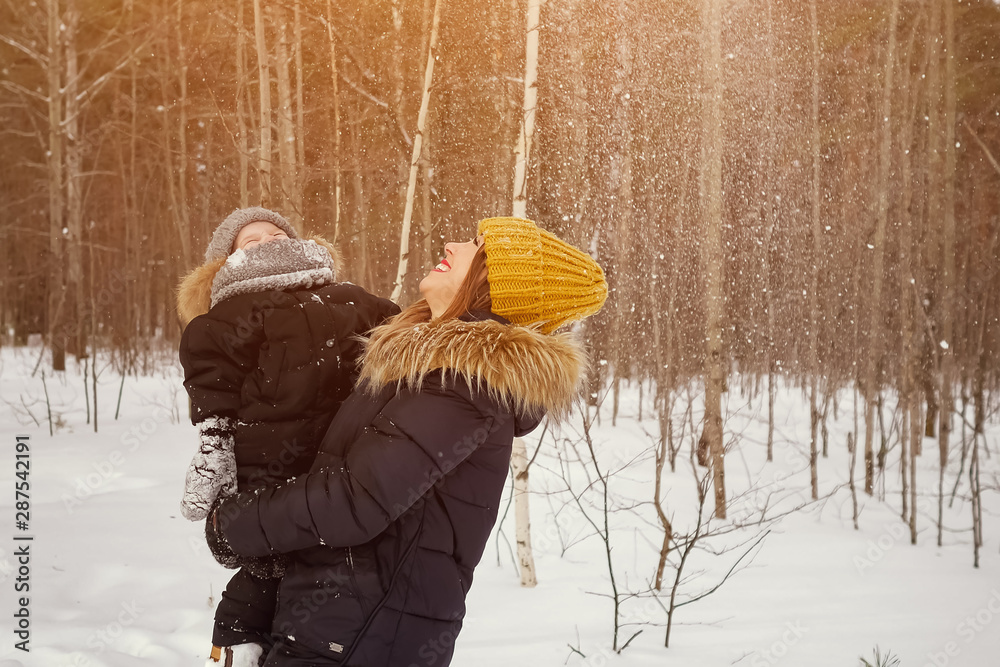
{"x": 282, "y": 264}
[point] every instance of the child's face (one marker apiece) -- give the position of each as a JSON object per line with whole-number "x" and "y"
{"x": 256, "y": 233}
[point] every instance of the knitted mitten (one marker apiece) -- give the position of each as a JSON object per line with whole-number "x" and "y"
{"x": 213, "y": 469}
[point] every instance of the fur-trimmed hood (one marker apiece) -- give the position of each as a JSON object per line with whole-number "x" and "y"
{"x": 194, "y": 293}
{"x": 520, "y": 367}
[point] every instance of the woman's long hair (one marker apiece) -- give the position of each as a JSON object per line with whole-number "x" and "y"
{"x": 472, "y": 294}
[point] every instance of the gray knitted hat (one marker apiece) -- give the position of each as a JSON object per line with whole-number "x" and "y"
{"x": 282, "y": 264}
{"x": 222, "y": 240}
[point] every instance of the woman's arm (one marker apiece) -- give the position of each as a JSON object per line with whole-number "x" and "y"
{"x": 416, "y": 440}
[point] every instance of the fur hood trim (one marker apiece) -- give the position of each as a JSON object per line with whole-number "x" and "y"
{"x": 520, "y": 367}
{"x": 194, "y": 293}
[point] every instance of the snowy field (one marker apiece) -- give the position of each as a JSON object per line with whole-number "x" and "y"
{"x": 118, "y": 578}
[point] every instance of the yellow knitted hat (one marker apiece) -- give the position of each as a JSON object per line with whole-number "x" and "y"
{"x": 536, "y": 278}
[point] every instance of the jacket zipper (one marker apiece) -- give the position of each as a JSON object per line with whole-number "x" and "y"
{"x": 354, "y": 583}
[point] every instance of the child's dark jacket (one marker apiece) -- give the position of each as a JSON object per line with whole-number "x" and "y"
{"x": 278, "y": 363}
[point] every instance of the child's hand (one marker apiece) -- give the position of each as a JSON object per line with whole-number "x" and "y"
{"x": 212, "y": 473}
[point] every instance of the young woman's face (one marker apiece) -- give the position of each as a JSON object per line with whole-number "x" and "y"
{"x": 441, "y": 284}
{"x": 256, "y": 233}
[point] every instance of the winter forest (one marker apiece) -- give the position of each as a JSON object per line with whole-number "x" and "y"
{"x": 796, "y": 202}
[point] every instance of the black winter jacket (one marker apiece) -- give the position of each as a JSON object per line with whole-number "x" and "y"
{"x": 396, "y": 512}
{"x": 279, "y": 363}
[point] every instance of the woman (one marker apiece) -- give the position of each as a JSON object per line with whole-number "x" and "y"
{"x": 397, "y": 509}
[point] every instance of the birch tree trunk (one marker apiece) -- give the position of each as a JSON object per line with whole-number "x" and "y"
{"x": 982, "y": 404}
{"x": 291, "y": 198}
{"x": 935, "y": 169}
{"x": 241, "y": 110}
{"x": 75, "y": 326}
{"x": 133, "y": 234}
{"x": 621, "y": 187}
{"x": 947, "y": 279}
{"x": 184, "y": 219}
{"x": 817, "y": 255}
{"x": 875, "y": 329}
{"x": 397, "y": 79}
{"x": 908, "y": 259}
{"x": 853, "y": 451}
{"x": 300, "y": 118}
{"x": 56, "y": 287}
{"x": 411, "y": 186}
{"x": 770, "y": 214}
{"x": 711, "y": 246}
{"x": 980, "y": 409}
{"x": 522, "y": 153}
{"x": 335, "y": 135}
{"x": 522, "y": 514}
{"x": 576, "y": 190}
{"x": 975, "y": 491}
{"x": 904, "y": 457}
{"x": 172, "y": 173}
{"x": 364, "y": 266}
{"x": 426, "y": 171}
{"x": 264, "y": 81}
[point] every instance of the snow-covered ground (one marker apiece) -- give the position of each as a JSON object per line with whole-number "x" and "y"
{"x": 117, "y": 577}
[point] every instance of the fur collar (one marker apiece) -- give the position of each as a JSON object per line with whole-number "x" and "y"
{"x": 194, "y": 294}
{"x": 524, "y": 369}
